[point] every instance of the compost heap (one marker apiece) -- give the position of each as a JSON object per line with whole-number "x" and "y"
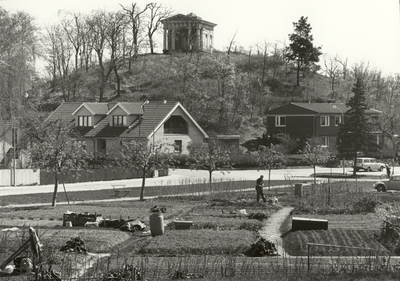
{"x": 262, "y": 247}
{"x": 76, "y": 244}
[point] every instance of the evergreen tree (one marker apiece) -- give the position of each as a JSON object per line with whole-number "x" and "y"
{"x": 355, "y": 134}
{"x": 302, "y": 50}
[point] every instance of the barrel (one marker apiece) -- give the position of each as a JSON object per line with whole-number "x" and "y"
{"x": 298, "y": 189}
{"x": 156, "y": 224}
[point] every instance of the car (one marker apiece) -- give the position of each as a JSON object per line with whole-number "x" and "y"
{"x": 389, "y": 184}
{"x": 369, "y": 164}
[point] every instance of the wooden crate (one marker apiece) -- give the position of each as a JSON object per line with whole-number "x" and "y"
{"x": 86, "y": 217}
{"x": 179, "y": 225}
{"x": 72, "y": 217}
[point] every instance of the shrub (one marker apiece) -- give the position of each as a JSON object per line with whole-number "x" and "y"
{"x": 241, "y": 160}
{"x": 365, "y": 204}
{"x": 258, "y": 216}
{"x": 251, "y": 225}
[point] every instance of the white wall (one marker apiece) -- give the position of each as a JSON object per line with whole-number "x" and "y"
{"x": 22, "y": 177}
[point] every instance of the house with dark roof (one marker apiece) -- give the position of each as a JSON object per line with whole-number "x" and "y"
{"x": 100, "y": 124}
{"x": 311, "y": 120}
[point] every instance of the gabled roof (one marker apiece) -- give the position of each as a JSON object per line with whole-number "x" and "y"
{"x": 93, "y": 107}
{"x": 155, "y": 114}
{"x": 128, "y": 107}
{"x": 300, "y": 108}
{"x": 64, "y": 111}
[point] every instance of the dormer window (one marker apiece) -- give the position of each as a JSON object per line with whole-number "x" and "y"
{"x": 119, "y": 121}
{"x": 84, "y": 121}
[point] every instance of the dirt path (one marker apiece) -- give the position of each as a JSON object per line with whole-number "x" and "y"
{"x": 270, "y": 231}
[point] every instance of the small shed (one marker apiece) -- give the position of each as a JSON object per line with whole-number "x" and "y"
{"x": 229, "y": 141}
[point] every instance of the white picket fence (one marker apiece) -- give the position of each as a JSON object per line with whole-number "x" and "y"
{"x": 11, "y": 177}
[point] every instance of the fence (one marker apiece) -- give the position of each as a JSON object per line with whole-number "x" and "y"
{"x": 37, "y": 177}
{"x": 21, "y": 176}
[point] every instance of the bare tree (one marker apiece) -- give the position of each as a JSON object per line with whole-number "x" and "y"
{"x": 157, "y": 14}
{"x": 107, "y": 35}
{"x": 345, "y": 69}
{"x": 333, "y": 70}
{"x": 59, "y": 57}
{"x": 135, "y": 17}
{"x": 231, "y": 43}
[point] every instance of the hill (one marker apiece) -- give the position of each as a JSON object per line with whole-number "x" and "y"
{"x": 225, "y": 94}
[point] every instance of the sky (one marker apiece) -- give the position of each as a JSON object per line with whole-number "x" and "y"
{"x": 363, "y": 31}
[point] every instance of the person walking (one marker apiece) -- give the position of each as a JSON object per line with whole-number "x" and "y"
{"x": 388, "y": 170}
{"x": 259, "y": 189}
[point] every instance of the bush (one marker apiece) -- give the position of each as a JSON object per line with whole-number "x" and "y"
{"x": 259, "y": 216}
{"x": 241, "y": 160}
{"x": 365, "y": 204}
{"x": 251, "y": 225}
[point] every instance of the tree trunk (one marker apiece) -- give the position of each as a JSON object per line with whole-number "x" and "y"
{"x": 269, "y": 178}
{"x": 118, "y": 82}
{"x": 143, "y": 184}
{"x": 315, "y": 175}
{"x": 298, "y": 73}
{"x": 355, "y": 164}
{"x": 151, "y": 44}
{"x": 55, "y": 190}
{"x": 210, "y": 179}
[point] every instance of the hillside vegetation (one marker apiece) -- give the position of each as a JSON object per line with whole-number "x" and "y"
{"x": 103, "y": 56}
{"x": 225, "y": 94}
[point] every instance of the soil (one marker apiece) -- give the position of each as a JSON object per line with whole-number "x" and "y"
{"x": 271, "y": 230}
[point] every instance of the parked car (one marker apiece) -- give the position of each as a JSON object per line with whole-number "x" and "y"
{"x": 369, "y": 164}
{"x": 390, "y": 184}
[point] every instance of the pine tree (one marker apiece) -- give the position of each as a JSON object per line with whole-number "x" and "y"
{"x": 301, "y": 49}
{"x": 354, "y": 135}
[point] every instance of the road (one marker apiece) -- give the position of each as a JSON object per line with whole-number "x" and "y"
{"x": 185, "y": 176}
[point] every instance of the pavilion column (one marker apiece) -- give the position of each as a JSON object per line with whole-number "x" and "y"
{"x": 212, "y": 42}
{"x": 189, "y": 31}
{"x": 165, "y": 42}
{"x": 201, "y": 39}
{"x": 198, "y": 38}
{"x": 173, "y": 39}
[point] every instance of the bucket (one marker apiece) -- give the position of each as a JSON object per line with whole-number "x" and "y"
{"x": 68, "y": 224}
{"x": 156, "y": 224}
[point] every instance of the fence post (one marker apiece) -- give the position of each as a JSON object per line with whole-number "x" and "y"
{"x": 308, "y": 258}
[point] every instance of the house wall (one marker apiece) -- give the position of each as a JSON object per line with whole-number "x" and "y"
{"x": 326, "y": 130}
{"x": 296, "y": 126}
{"x": 194, "y": 134}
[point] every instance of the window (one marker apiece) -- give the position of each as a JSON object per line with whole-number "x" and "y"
{"x": 176, "y": 125}
{"x": 178, "y": 146}
{"x": 324, "y": 121}
{"x": 325, "y": 141}
{"x": 119, "y": 121}
{"x": 280, "y": 136}
{"x": 338, "y": 120}
{"x": 280, "y": 121}
{"x": 84, "y": 121}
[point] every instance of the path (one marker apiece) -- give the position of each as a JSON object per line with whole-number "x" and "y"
{"x": 271, "y": 232}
